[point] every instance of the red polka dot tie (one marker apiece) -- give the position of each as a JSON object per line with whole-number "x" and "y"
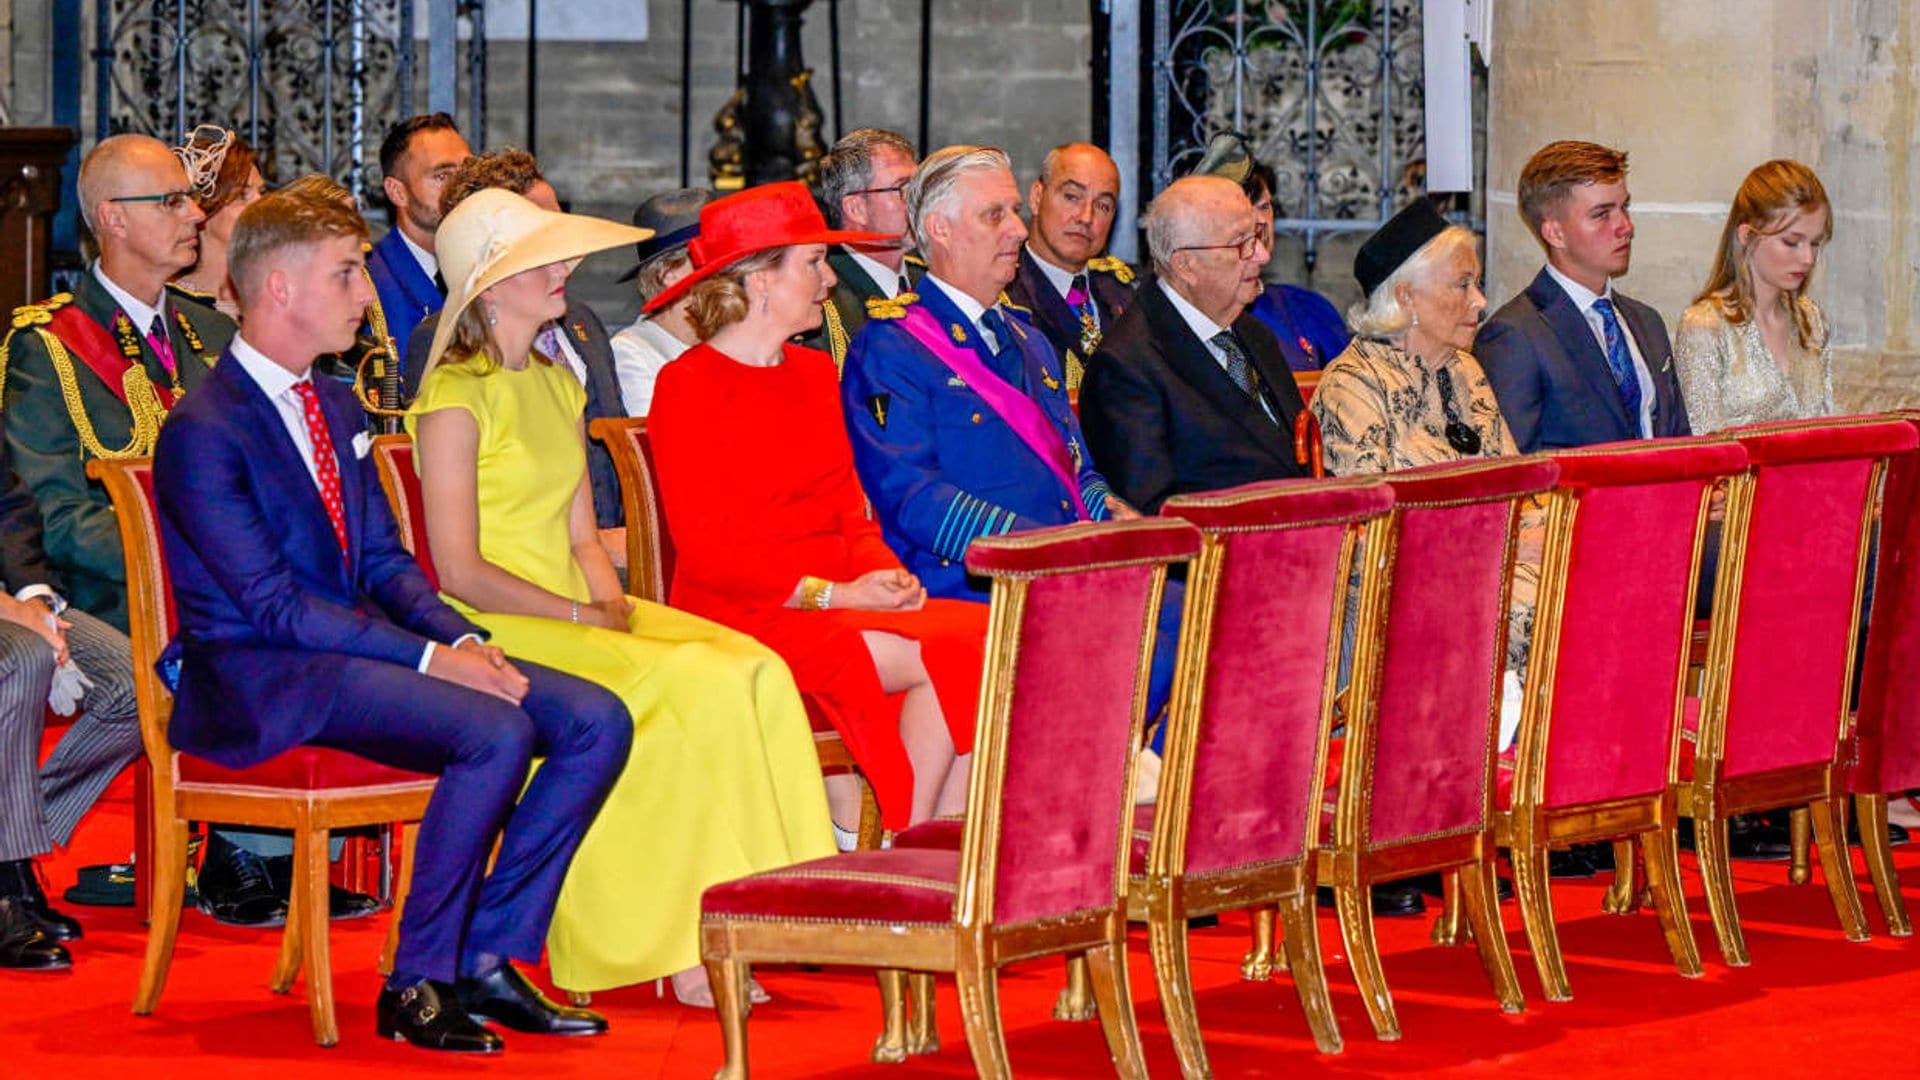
{"x": 326, "y": 467}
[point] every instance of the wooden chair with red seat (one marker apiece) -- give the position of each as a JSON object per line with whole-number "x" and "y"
{"x": 1418, "y": 770}
{"x": 1307, "y": 448}
{"x": 1773, "y": 731}
{"x": 1598, "y": 756}
{"x": 1042, "y": 865}
{"x": 650, "y": 569}
{"x": 1887, "y": 721}
{"x": 309, "y": 790}
{"x": 1237, "y": 819}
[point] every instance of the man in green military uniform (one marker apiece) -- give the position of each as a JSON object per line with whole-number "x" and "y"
{"x": 863, "y": 187}
{"x": 91, "y": 374}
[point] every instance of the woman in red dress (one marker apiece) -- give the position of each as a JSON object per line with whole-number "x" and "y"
{"x": 769, "y": 523}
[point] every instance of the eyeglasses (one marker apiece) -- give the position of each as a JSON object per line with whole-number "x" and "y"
{"x": 899, "y": 189}
{"x": 175, "y": 201}
{"x": 1247, "y": 247}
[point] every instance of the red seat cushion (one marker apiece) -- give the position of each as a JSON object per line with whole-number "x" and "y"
{"x": 303, "y": 768}
{"x": 1689, "y": 736}
{"x": 943, "y": 834}
{"x": 901, "y": 885}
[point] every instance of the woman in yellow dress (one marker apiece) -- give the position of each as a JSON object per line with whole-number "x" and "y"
{"x": 723, "y": 780}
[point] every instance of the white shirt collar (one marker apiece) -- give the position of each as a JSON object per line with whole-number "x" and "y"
{"x": 885, "y": 277}
{"x": 1204, "y": 328}
{"x": 661, "y": 338}
{"x": 141, "y": 312}
{"x": 428, "y": 260}
{"x": 968, "y": 306}
{"x": 1061, "y": 280}
{"x": 1581, "y": 296}
{"x": 272, "y": 379}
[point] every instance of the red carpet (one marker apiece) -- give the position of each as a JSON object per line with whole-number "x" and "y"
{"x": 1811, "y": 1004}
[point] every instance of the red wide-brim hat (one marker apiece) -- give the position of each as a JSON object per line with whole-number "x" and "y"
{"x": 755, "y": 220}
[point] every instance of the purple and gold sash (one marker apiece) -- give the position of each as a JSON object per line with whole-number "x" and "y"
{"x": 1020, "y": 412}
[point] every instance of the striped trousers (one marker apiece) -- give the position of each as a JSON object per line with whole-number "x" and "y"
{"x": 41, "y": 805}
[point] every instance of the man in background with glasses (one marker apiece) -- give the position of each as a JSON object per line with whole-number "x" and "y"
{"x": 93, "y": 373}
{"x": 1188, "y": 390}
{"x": 863, "y": 188}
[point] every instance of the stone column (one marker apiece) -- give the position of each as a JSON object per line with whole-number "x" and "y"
{"x": 1699, "y": 92}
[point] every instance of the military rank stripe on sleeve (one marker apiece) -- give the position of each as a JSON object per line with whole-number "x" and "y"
{"x": 1094, "y": 498}
{"x": 968, "y": 517}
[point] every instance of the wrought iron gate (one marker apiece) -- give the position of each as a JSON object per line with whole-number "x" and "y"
{"x": 1329, "y": 92}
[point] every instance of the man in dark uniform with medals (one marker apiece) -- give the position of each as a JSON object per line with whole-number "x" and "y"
{"x": 1073, "y": 292}
{"x": 863, "y": 187}
{"x": 91, "y": 374}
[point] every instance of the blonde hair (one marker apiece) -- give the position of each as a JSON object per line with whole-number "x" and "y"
{"x": 1556, "y": 169}
{"x": 1767, "y": 202}
{"x": 721, "y": 300}
{"x": 281, "y": 220}
{"x": 1382, "y": 315}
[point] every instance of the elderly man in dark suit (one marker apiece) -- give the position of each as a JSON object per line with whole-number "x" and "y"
{"x": 580, "y": 342}
{"x": 1572, "y": 361}
{"x": 303, "y": 621}
{"x": 1189, "y": 391}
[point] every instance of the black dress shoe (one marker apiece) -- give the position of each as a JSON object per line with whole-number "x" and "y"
{"x": 505, "y": 997}
{"x": 1391, "y": 899}
{"x": 1896, "y": 833}
{"x": 1751, "y": 838}
{"x": 19, "y": 880}
{"x": 341, "y": 903}
{"x": 236, "y": 889}
{"x": 427, "y": 1015}
{"x": 1598, "y": 853}
{"x": 1571, "y": 863}
{"x": 23, "y": 946}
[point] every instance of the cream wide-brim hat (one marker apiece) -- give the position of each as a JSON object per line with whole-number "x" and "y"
{"x": 494, "y": 234}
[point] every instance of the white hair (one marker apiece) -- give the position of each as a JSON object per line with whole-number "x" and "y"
{"x": 1175, "y": 215}
{"x": 1382, "y": 315}
{"x": 931, "y": 189}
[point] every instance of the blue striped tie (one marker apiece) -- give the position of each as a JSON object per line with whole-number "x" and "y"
{"x": 1620, "y": 359}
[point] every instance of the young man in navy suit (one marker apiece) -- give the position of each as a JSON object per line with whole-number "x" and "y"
{"x": 302, "y": 621}
{"x": 1572, "y": 361}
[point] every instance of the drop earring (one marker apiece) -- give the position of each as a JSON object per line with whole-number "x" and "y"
{"x": 493, "y": 317}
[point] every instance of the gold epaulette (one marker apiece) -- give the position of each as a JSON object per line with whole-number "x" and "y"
{"x": 205, "y": 299}
{"x": 1007, "y": 302}
{"x": 1108, "y": 264}
{"x": 366, "y": 247}
{"x": 896, "y": 308}
{"x": 837, "y": 337}
{"x": 914, "y": 258}
{"x": 40, "y": 314}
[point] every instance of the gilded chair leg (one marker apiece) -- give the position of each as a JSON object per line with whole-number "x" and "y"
{"x": 1450, "y": 926}
{"x": 310, "y": 884}
{"x": 1800, "y": 868}
{"x": 891, "y": 1047}
{"x": 923, "y": 1028}
{"x": 1830, "y": 837}
{"x": 1532, "y": 883}
{"x": 168, "y": 866}
{"x": 1482, "y": 895}
{"x": 979, "y": 986}
{"x": 1257, "y": 965}
{"x": 1623, "y": 896}
{"x": 1663, "y": 878}
{"x": 1355, "y": 906}
{"x": 579, "y": 998}
{"x": 1107, "y": 964}
{"x": 1716, "y": 873}
{"x": 1872, "y": 812}
{"x": 1167, "y": 937}
{"x": 1302, "y": 940}
{"x": 287, "y": 967}
{"x": 870, "y": 831}
{"x": 402, "y": 884}
{"x": 729, "y": 978}
{"x": 1076, "y": 998}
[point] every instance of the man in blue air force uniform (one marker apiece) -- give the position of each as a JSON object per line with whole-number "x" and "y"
{"x": 956, "y": 405}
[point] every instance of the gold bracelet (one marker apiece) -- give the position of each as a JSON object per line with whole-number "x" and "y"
{"x": 810, "y": 589}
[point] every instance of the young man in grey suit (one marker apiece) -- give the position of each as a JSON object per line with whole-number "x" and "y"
{"x": 1572, "y": 361}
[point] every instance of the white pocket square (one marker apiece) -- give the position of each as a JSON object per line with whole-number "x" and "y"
{"x": 362, "y": 443}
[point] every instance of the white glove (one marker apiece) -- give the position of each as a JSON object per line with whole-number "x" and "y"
{"x": 70, "y": 684}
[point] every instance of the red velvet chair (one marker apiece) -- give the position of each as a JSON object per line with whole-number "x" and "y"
{"x": 1417, "y": 783}
{"x": 650, "y": 570}
{"x": 1042, "y": 866}
{"x": 1237, "y": 819}
{"x": 309, "y": 790}
{"x": 1598, "y": 756}
{"x": 1887, "y": 722}
{"x": 1780, "y": 655}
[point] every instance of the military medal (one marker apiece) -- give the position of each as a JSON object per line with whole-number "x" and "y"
{"x": 580, "y": 331}
{"x": 1089, "y": 334}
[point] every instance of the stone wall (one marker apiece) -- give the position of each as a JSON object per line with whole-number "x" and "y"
{"x": 1699, "y": 92}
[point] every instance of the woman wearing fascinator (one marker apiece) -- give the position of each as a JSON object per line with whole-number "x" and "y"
{"x": 225, "y": 175}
